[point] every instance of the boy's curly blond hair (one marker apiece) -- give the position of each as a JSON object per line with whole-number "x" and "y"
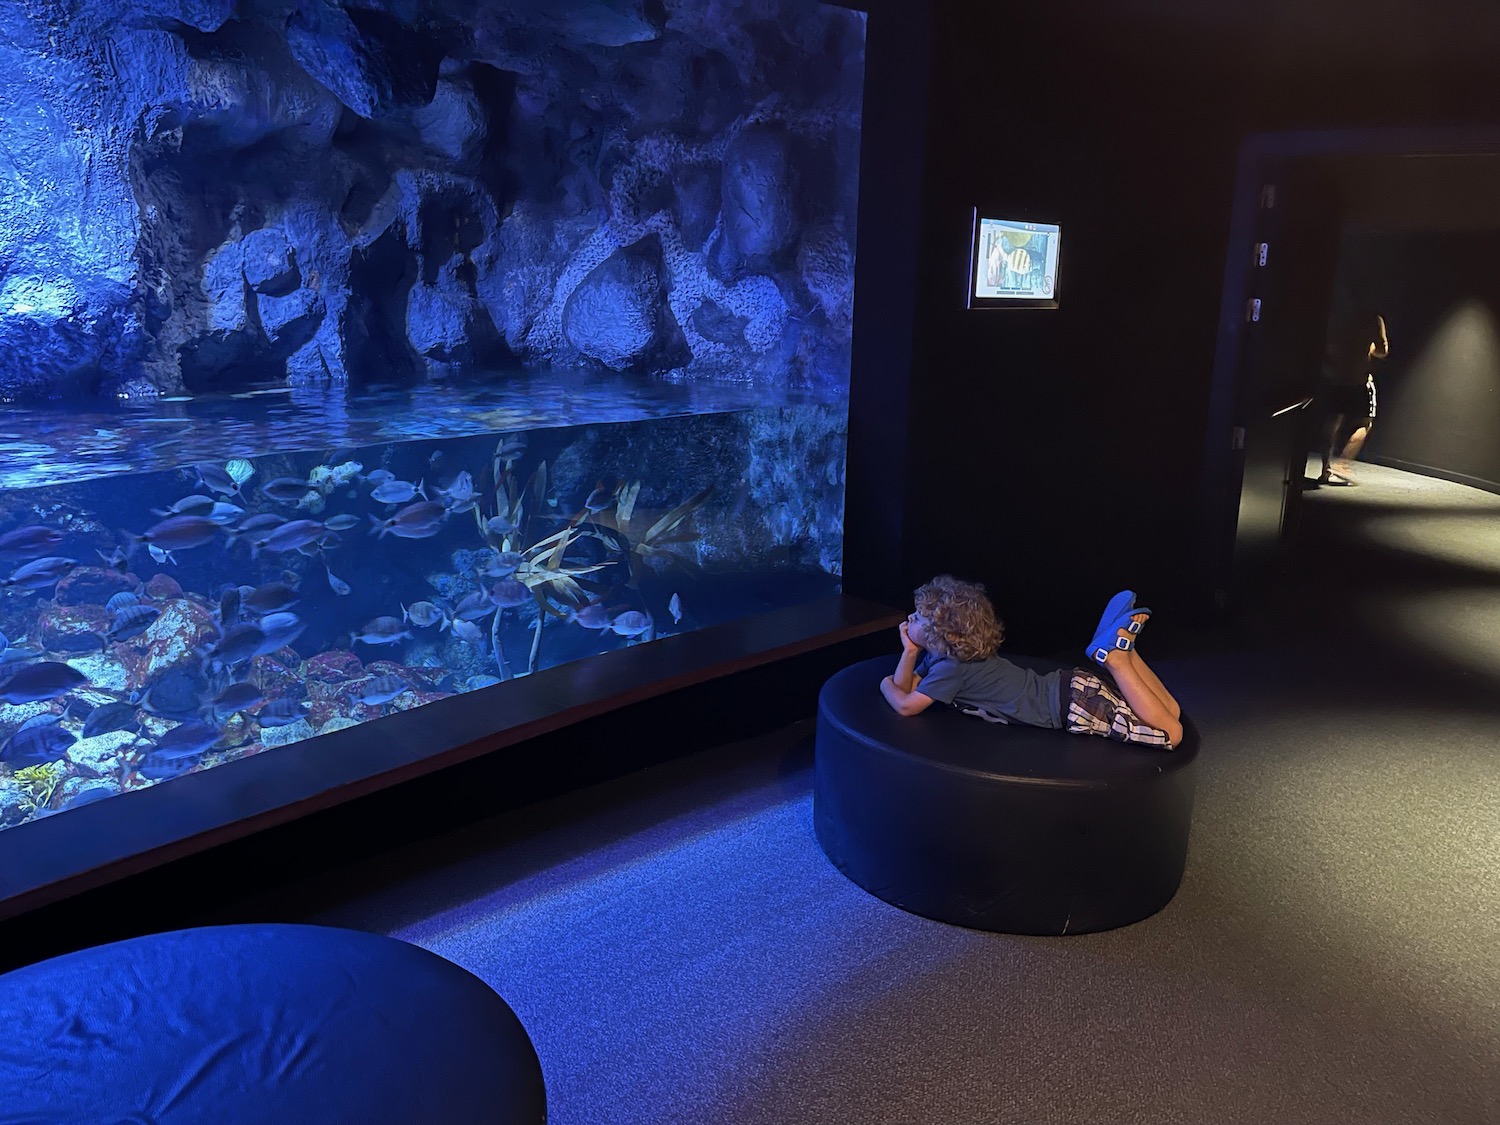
{"x": 963, "y": 622}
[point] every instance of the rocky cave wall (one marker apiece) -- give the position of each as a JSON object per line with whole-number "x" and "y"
{"x": 234, "y": 192}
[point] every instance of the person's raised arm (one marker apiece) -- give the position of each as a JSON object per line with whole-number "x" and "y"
{"x": 900, "y": 688}
{"x": 1381, "y": 346}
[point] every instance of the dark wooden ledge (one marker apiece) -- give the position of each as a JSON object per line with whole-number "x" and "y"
{"x": 65, "y": 854}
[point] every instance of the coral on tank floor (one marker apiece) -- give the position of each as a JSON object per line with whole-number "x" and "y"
{"x": 160, "y": 624}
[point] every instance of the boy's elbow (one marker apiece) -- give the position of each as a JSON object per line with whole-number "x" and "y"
{"x": 900, "y": 701}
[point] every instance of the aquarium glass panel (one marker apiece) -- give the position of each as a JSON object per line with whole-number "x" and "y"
{"x": 363, "y": 356}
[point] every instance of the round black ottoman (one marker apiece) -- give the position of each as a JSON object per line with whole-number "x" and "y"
{"x": 1006, "y": 828}
{"x": 269, "y": 1024}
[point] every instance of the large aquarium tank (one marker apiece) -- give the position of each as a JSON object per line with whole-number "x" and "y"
{"x": 354, "y": 356}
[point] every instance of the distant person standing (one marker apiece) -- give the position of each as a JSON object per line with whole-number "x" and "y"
{"x": 1347, "y": 390}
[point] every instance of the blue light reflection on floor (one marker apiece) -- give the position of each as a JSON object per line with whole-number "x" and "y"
{"x": 659, "y": 969}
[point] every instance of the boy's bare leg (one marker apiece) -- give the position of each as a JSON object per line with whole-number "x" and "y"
{"x": 1149, "y": 707}
{"x": 1155, "y": 684}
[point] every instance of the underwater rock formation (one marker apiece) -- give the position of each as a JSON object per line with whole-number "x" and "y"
{"x": 228, "y": 192}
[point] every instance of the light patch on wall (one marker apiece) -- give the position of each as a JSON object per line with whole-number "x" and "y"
{"x": 1450, "y": 397}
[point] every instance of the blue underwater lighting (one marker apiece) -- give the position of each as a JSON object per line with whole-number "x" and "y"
{"x": 359, "y": 355}
{"x": 356, "y": 195}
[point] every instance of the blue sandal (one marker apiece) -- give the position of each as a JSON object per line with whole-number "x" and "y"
{"x": 1118, "y": 604}
{"x": 1106, "y": 640}
{"x": 1107, "y": 637}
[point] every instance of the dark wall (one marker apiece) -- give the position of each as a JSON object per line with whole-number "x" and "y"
{"x": 1439, "y": 391}
{"x": 1055, "y": 455}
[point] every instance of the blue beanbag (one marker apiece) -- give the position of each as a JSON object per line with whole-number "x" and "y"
{"x": 274, "y": 1024}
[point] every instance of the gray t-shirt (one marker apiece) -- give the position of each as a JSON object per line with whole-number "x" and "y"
{"x": 1003, "y": 691}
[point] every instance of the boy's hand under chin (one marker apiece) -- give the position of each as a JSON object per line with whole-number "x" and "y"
{"x": 907, "y": 644}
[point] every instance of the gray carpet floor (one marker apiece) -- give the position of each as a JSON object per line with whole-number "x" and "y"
{"x": 681, "y": 951}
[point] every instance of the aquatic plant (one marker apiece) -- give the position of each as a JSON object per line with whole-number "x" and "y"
{"x": 38, "y": 783}
{"x": 653, "y": 540}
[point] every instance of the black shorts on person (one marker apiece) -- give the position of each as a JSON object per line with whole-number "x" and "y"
{"x": 1353, "y": 400}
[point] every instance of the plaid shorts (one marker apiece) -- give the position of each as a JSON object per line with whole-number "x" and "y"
{"x": 1094, "y": 707}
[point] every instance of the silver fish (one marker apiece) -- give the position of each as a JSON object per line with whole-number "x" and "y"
{"x": 269, "y": 598}
{"x": 504, "y": 564}
{"x": 460, "y": 496}
{"x": 186, "y": 740}
{"x": 285, "y": 490}
{"x": 238, "y": 644}
{"x": 217, "y": 479}
{"x": 466, "y": 631}
{"x": 28, "y": 542}
{"x": 224, "y": 514}
{"x": 289, "y": 536}
{"x": 176, "y": 694}
{"x": 508, "y": 593}
{"x": 602, "y": 497}
{"x": 159, "y": 555}
{"x": 337, "y": 584}
{"x": 592, "y": 616}
{"x": 674, "y": 607}
{"x": 342, "y": 522}
{"x": 474, "y": 606}
{"x": 235, "y": 698}
{"x": 37, "y": 742}
{"x": 280, "y": 712}
{"x": 415, "y": 521}
{"x": 500, "y": 527}
{"x": 261, "y": 521}
{"x": 377, "y": 477}
{"x": 40, "y": 573}
{"x": 397, "y": 491}
{"x": 108, "y": 718}
{"x": 281, "y": 629}
{"x": 179, "y": 533}
{"x": 32, "y": 683}
{"x": 382, "y": 689}
{"x": 631, "y": 623}
{"x": 131, "y": 621}
{"x": 187, "y": 506}
{"x": 279, "y": 621}
{"x": 382, "y": 631}
{"x": 512, "y": 447}
{"x": 422, "y": 614}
